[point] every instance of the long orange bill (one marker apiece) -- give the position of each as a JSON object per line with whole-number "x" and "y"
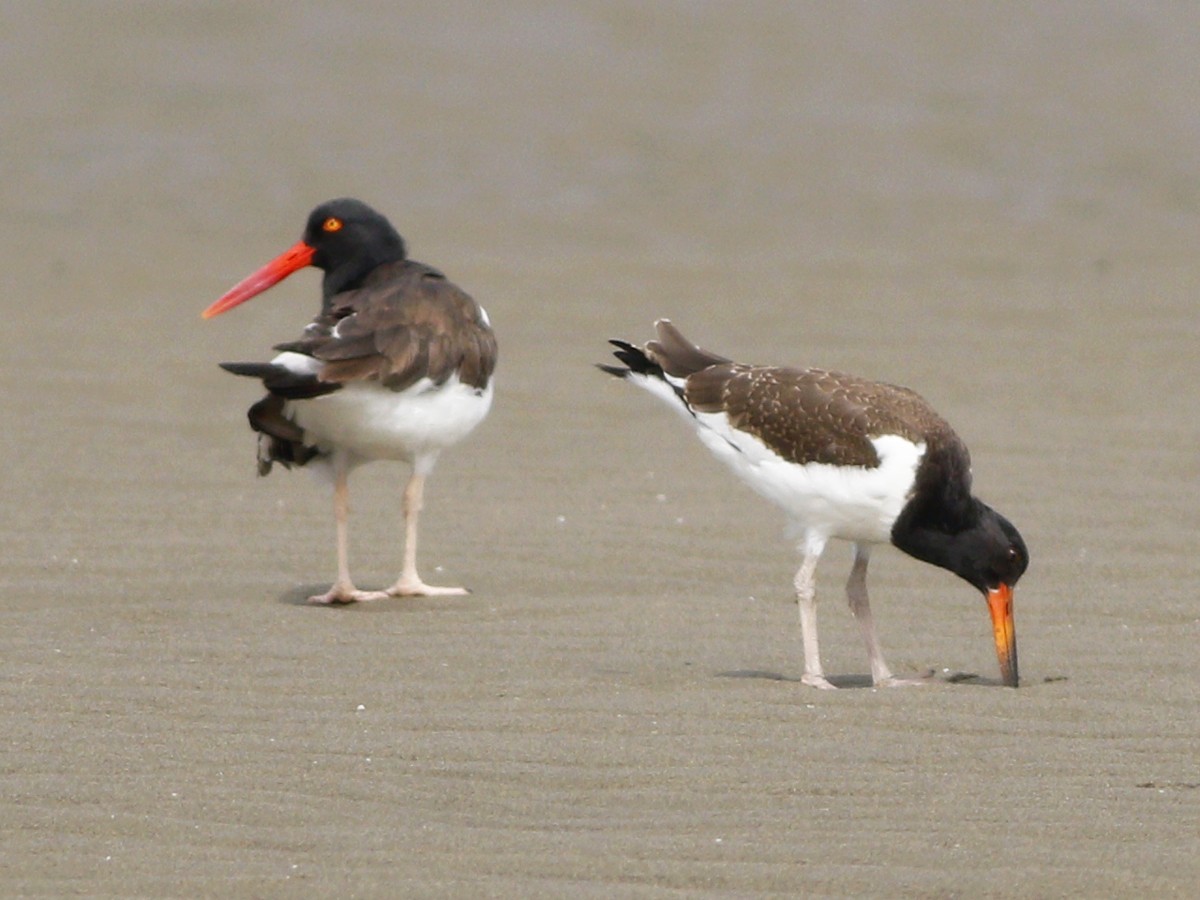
{"x": 1000, "y": 604}
{"x": 272, "y": 273}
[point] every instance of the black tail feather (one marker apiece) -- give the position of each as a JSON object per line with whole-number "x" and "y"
{"x": 282, "y": 381}
{"x": 635, "y": 359}
{"x": 250, "y": 370}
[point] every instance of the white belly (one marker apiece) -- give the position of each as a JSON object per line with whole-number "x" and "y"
{"x": 371, "y": 422}
{"x": 850, "y": 502}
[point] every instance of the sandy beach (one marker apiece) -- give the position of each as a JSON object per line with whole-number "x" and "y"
{"x": 996, "y": 205}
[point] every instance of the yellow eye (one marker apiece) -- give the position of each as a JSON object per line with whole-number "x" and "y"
{"x": 332, "y": 224}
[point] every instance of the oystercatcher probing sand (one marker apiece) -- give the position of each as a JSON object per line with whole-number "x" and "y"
{"x": 845, "y": 458}
{"x": 397, "y": 365}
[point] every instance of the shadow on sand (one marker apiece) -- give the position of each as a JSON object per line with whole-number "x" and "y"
{"x": 298, "y": 596}
{"x": 864, "y": 681}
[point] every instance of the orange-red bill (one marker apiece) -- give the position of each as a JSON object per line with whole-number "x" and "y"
{"x": 297, "y": 257}
{"x": 1000, "y": 605}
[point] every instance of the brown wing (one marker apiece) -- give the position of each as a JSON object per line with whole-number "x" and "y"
{"x": 810, "y": 415}
{"x": 406, "y": 322}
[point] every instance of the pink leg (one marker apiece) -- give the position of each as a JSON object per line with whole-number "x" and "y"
{"x": 806, "y": 596}
{"x": 343, "y": 590}
{"x": 860, "y": 605}
{"x": 410, "y": 584}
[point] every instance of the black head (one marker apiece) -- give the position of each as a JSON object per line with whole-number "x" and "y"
{"x": 983, "y": 548}
{"x": 990, "y": 553}
{"x": 349, "y": 239}
{"x": 345, "y": 238}
{"x": 977, "y": 544}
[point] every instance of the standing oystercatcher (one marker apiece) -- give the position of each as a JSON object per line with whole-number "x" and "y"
{"x": 397, "y": 365}
{"x": 845, "y": 458}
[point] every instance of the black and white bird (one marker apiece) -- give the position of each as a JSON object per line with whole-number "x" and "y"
{"x": 397, "y": 365}
{"x": 847, "y": 458}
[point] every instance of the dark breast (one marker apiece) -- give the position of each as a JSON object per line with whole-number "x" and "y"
{"x": 811, "y": 415}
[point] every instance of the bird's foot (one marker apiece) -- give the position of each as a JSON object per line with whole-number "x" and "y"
{"x": 817, "y": 680}
{"x": 345, "y": 593}
{"x": 415, "y": 587}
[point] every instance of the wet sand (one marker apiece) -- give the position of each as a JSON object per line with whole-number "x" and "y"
{"x": 997, "y": 207}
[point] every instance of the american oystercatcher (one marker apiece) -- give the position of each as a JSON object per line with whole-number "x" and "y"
{"x": 845, "y": 458}
{"x": 397, "y": 365}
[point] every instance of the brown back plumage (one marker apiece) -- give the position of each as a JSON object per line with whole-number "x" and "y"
{"x": 405, "y": 323}
{"x": 805, "y": 415}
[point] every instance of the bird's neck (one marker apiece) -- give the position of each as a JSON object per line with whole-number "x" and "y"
{"x": 349, "y": 274}
{"x": 932, "y": 532}
{"x": 941, "y": 511}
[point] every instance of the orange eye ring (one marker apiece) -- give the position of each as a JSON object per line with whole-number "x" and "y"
{"x": 332, "y": 224}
